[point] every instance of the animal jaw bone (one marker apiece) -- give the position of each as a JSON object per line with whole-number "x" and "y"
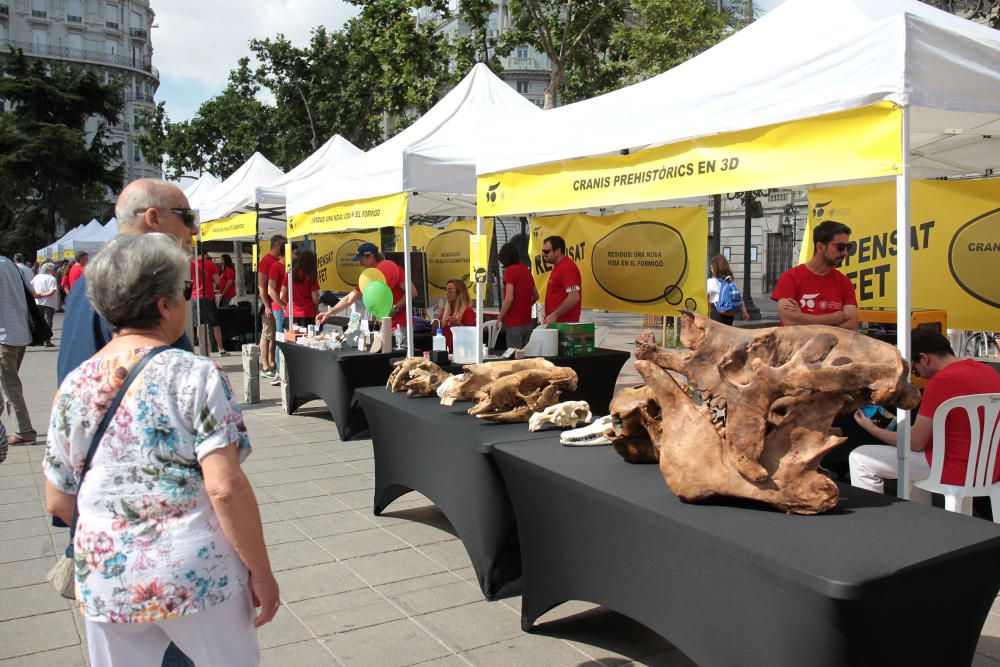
{"x": 477, "y": 376}
{"x": 417, "y": 376}
{"x": 513, "y": 397}
{"x": 596, "y": 433}
{"x": 769, "y": 396}
{"x": 567, "y": 414}
{"x": 635, "y": 419}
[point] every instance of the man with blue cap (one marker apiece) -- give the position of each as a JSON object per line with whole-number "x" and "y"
{"x": 369, "y": 257}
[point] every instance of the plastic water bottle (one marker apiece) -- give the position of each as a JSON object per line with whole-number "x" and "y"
{"x": 439, "y": 342}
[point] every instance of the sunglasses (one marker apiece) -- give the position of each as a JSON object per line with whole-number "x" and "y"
{"x": 546, "y": 251}
{"x": 187, "y": 290}
{"x": 187, "y": 215}
{"x": 841, "y": 247}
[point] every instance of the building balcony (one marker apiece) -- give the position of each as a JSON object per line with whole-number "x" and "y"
{"x": 111, "y": 25}
{"x": 74, "y": 19}
{"x": 515, "y": 63}
{"x": 46, "y": 50}
{"x": 5, "y": 10}
{"x": 140, "y": 33}
{"x": 39, "y": 14}
{"x": 139, "y": 97}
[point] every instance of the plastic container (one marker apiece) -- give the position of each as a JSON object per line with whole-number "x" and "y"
{"x": 465, "y": 340}
{"x": 438, "y": 342}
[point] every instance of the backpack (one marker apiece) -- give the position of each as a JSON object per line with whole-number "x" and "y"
{"x": 730, "y": 300}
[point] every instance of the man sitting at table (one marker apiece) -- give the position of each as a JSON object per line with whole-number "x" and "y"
{"x": 370, "y": 258}
{"x": 948, "y": 377}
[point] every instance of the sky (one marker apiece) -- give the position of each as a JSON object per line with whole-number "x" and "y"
{"x": 196, "y": 43}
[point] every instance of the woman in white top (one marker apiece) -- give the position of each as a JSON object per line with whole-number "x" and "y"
{"x": 46, "y": 290}
{"x": 720, "y": 273}
{"x": 168, "y": 545}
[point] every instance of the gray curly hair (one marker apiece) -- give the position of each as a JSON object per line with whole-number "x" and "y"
{"x": 131, "y": 273}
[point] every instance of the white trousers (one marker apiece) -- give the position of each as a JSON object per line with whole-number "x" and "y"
{"x": 220, "y": 635}
{"x": 871, "y": 464}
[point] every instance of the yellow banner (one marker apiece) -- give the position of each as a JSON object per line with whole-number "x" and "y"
{"x": 861, "y": 143}
{"x": 388, "y": 211}
{"x": 638, "y": 262}
{"x": 447, "y": 251}
{"x": 954, "y": 242}
{"x": 68, "y": 254}
{"x": 335, "y": 266}
{"x": 243, "y": 225}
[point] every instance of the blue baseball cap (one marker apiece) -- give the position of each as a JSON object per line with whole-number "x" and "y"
{"x": 366, "y": 249}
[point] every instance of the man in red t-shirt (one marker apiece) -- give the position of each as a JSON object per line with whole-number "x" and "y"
{"x": 816, "y": 292}
{"x": 76, "y": 270}
{"x": 519, "y": 294}
{"x": 369, "y": 257}
{"x": 948, "y": 377}
{"x": 275, "y": 254}
{"x": 204, "y": 284}
{"x": 564, "y": 294}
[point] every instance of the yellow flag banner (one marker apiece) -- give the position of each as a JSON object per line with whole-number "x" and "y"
{"x": 388, "y": 211}
{"x": 68, "y": 254}
{"x": 954, "y": 242}
{"x": 238, "y": 226}
{"x": 447, "y": 251}
{"x": 335, "y": 266}
{"x": 638, "y": 262}
{"x": 855, "y": 144}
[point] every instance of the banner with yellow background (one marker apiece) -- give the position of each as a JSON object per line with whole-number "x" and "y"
{"x": 638, "y": 262}
{"x": 335, "y": 266}
{"x": 387, "y": 211}
{"x": 847, "y": 145}
{"x": 447, "y": 251}
{"x": 954, "y": 242}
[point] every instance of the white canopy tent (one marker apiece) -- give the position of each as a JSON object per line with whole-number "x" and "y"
{"x": 433, "y": 160}
{"x": 941, "y": 73}
{"x": 195, "y": 192}
{"x": 239, "y": 189}
{"x": 68, "y": 242}
{"x": 91, "y": 242}
{"x": 335, "y": 151}
{"x": 52, "y": 250}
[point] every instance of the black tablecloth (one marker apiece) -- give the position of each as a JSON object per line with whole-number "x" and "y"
{"x": 332, "y": 376}
{"x": 442, "y": 452}
{"x": 877, "y": 581}
{"x": 236, "y": 323}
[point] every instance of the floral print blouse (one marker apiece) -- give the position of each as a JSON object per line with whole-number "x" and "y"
{"x": 148, "y": 545}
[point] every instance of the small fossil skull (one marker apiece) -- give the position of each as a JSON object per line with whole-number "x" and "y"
{"x": 565, "y": 415}
{"x": 417, "y": 376}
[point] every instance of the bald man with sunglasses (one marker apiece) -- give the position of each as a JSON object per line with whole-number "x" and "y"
{"x": 816, "y": 292}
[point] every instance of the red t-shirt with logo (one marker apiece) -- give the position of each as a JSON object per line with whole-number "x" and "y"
{"x": 74, "y": 274}
{"x": 205, "y": 282}
{"x": 263, "y": 268}
{"x": 815, "y": 294}
{"x": 302, "y": 297}
{"x": 228, "y": 274}
{"x": 565, "y": 274}
{"x": 960, "y": 378}
{"x": 519, "y": 276}
{"x": 276, "y": 272}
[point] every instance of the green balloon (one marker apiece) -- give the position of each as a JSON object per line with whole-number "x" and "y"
{"x": 377, "y": 298}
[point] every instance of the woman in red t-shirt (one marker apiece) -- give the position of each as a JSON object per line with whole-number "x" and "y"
{"x": 305, "y": 289}
{"x": 227, "y": 281}
{"x": 458, "y": 311}
{"x": 519, "y": 294}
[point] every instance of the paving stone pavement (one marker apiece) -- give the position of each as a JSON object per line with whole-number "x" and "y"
{"x": 356, "y": 589}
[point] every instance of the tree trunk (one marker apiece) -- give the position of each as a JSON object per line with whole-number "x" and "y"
{"x": 552, "y": 90}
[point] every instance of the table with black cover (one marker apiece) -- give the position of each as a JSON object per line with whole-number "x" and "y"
{"x": 442, "y": 452}
{"x": 236, "y": 323}
{"x": 877, "y": 581}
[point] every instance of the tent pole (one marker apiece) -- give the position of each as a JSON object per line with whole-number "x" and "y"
{"x": 200, "y": 327}
{"x": 407, "y": 279}
{"x": 903, "y": 300}
{"x": 479, "y": 296}
{"x": 256, "y": 289}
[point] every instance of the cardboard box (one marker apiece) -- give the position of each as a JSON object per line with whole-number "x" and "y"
{"x": 576, "y": 339}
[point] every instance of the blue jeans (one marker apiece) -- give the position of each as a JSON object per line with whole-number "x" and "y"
{"x": 279, "y": 326}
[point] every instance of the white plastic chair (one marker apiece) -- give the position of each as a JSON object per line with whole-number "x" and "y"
{"x": 491, "y": 332}
{"x": 982, "y": 454}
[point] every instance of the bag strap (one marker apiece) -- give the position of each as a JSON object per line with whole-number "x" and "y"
{"x": 105, "y": 421}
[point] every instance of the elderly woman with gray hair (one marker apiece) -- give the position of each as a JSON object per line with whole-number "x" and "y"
{"x": 168, "y": 542}
{"x": 46, "y": 290}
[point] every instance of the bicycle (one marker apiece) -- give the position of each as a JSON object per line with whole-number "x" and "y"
{"x": 982, "y": 345}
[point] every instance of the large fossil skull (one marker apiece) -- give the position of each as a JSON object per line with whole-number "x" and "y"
{"x": 564, "y": 415}
{"x": 512, "y": 398}
{"x": 768, "y": 399}
{"x": 477, "y": 376}
{"x": 635, "y": 418}
{"x": 417, "y": 376}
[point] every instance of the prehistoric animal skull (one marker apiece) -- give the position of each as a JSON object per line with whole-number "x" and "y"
{"x": 565, "y": 415}
{"x": 635, "y": 418}
{"x": 586, "y": 436}
{"x": 512, "y": 398}
{"x": 477, "y": 376}
{"x": 417, "y": 376}
{"x": 769, "y": 397}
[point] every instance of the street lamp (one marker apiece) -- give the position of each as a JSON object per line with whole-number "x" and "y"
{"x": 752, "y": 208}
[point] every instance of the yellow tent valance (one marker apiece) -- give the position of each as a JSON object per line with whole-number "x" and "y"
{"x": 387, "y": 211}
{"x": 855, "y": 144}
{"x": 235, "y": 227}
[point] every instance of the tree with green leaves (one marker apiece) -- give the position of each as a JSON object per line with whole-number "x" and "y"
{"x": 481, "y": 45}
{"x": 50, "y": 165}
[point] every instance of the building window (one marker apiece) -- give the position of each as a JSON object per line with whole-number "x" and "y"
{"x": 522, "y": 87}
{"x": 74, "y": 11}
{"x": 40, "y": 37}
{"x": 75, "y": 41}
{"x": 136, "y": 154}
{"x": 110, "y": 47}
{"x": 40, "y": 8}
{"x": 116, "y": 151}
{"x": 111, "y": 16}
{"x": 522, "y": 51}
